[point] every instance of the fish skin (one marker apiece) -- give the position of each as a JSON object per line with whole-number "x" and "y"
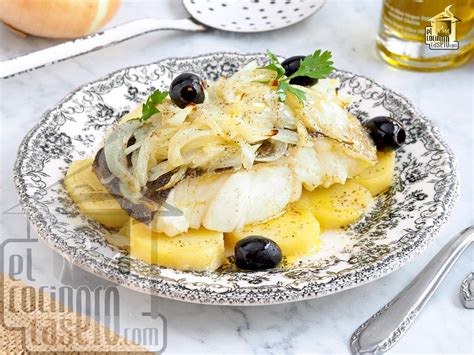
{"x": 153, "y": 198}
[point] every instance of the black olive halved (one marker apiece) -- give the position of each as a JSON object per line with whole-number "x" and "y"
{"x": 387, "y": 133}
{"x": 187, "y": 88}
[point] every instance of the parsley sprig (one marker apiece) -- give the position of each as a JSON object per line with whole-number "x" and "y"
{"x": 149, "y": 107}
{"x": 274, "y": 65}
{"x": 317, "y": 66}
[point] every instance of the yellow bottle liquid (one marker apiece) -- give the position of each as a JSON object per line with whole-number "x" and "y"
{"x": 426, "y": 35}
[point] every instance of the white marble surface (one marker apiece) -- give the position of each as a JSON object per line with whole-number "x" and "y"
{"x": 323, "y": 325}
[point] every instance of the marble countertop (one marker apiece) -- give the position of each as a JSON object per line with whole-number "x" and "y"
{"x": 324, "y": 325}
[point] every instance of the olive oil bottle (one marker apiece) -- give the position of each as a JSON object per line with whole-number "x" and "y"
{"x": 426, "y": 35}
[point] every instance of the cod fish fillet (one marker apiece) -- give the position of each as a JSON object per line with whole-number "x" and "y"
{"x": 226, "y": 201}
{"x": 230, "y": 200}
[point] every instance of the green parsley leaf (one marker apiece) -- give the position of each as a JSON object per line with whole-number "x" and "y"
{"x": 316, "y": 66}
{"x": 147, "y": 112}
{"x": 158, "y": 96}
{"x": 274, "y": 65}
{"x": 300, "y": 94}
{"x": 149, "y": 107}
{"x": 284, "y": 88}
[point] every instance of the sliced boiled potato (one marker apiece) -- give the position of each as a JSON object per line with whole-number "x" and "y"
{"x": 91, "y": 196}
{"x": 379, "y": 177}
{"x": 196, "y": 250}
{"x": 338, "y": 205}
{"x": 296, "y": 231}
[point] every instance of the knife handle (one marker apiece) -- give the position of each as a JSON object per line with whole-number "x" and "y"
{"x": 380, "y": 332}
{"x": 91, "y": 43}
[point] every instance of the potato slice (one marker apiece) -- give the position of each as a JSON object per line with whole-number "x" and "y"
{"x": 196, "y": 250}
{"x": 379, "y": 177}
{"x": 296, "y": 231}
{"x": 338, "y": 205}
{"x": 91, "y": 196}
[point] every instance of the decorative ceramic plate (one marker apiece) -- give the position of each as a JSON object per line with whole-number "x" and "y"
{"x": 401, "y": 224}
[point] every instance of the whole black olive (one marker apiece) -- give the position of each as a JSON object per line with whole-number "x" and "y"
{"x": 187, "y": 88}
{"x": 387, "y": 133}
{"x": 257, "y": 253}
{"x": 291, "y": 65}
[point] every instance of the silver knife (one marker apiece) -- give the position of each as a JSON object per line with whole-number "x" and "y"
{"x": 380, "y": 332}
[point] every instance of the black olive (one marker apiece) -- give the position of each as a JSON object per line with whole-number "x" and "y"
{"x": 187, "y": 88}
{"x": 291, "y": 65}
{"x": 387, "y": 133}
{"x": 257, "y": 253}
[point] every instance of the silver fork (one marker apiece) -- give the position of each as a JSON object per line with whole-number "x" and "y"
{"x": 383, "y": 330}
